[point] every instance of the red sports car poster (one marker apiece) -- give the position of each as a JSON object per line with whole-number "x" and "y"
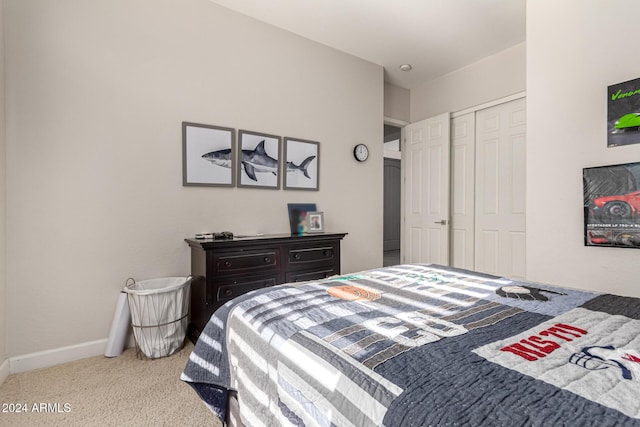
{"x": 623, "y": 113}
{"x": 612, "y": 205}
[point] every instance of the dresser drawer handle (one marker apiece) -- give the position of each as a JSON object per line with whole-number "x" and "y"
{"x": 228, "y": 292}
{"x": 326, "y": 252}
{"x": 267, "y": 259}
{"x": 296, "y": 256}
{"x": 227, "y": 263}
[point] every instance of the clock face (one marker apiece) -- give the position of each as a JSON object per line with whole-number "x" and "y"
{"x": 361, "y": 152}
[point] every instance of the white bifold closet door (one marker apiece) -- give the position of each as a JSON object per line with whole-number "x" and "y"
{"x": 500, "y": 190}
{"x": 488, "y": 190}
{"x": 463, "y": 182}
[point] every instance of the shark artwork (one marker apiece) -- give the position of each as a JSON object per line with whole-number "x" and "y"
{"x": 220, "y": 157}
{"x": 291, "y": 167}
{"x": 256, "y": 161}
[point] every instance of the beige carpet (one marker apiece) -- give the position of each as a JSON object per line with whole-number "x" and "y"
{"x": 101, "y": 391}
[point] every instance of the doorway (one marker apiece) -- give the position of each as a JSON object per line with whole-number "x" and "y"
{"x": 392, "y": 196}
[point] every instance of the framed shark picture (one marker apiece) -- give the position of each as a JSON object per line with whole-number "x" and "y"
{"x": 208, "y": 155}
{"x": 258, "y": 160}
{"x": 301, "y": 164}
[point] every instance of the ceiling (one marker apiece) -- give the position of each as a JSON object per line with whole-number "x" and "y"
{"x": 434, "y": 36}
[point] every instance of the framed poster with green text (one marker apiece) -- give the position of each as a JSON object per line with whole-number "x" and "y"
{"x": 623, "y": 113}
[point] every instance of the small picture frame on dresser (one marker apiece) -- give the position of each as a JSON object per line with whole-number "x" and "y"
{"x": 315, "y": 222}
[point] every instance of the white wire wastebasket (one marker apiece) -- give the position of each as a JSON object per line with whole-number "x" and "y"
{"x": 159, "y": 314}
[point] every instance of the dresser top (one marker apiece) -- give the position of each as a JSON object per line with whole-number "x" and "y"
{"x": 263, "y": 238}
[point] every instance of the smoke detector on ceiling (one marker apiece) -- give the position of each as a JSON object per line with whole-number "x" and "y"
{"x": 406, "y": 67}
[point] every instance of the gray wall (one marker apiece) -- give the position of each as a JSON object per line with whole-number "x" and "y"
{"x": 396, "y": 102}
{"x": 573, "y": 55}
{"x": 96, "y": 92}
{"x": 3, "y": 208}
{"x": 491, "y": 78}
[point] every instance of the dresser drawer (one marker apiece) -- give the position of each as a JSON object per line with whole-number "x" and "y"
{"x": 303, "y": 276}
{"x": 241, "y": 262}
{"x": 228, "y": 268}
{"x": 312, "y": 257}
{"x": 227, "y": 291}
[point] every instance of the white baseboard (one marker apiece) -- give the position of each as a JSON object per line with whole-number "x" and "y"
{"x": 56, "y": 356}
{"x": 47, "y": 358}
{"x": 4, "y": 370}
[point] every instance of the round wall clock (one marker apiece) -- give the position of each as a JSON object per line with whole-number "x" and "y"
{"x": 361, "y": 152}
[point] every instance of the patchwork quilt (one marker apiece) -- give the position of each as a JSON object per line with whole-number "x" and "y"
{"x": 422, "y": 345}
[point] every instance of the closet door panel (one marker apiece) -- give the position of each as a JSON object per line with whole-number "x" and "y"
{"x": 500, "y": 235}
{"x": 463, "y": 191}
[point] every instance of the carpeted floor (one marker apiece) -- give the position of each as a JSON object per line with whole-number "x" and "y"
{"x": 101, "y": 391}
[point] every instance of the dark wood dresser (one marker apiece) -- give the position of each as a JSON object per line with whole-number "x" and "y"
{"x": 224, "y": 269}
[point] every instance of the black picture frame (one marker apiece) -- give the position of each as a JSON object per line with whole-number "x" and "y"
{"x": 612, "y": 205}
{"x": 298, "y": 216}
{"x": 301, "y": 164}
{"x": 258, "y": 160}
{"x": 208, "y": 155}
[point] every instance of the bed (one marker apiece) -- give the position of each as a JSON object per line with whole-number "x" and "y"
{"x": 421, "y": 345}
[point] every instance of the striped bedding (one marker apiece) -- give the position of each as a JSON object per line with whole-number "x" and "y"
{"x": 420, "y": 345}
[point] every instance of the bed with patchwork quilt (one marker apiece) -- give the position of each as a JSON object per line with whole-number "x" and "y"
{"x": 422, "y": 345}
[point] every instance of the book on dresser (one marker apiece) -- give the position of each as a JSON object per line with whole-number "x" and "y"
{"x": 224, "y": 269}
